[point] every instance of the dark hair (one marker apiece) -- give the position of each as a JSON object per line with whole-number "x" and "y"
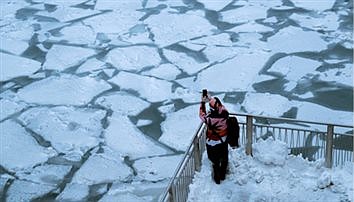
{"x": 217, "y": 101}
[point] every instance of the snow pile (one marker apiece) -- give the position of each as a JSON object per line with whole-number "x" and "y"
{"x": 273, "y": 175}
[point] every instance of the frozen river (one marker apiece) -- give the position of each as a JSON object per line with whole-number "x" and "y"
{"x": 99, "y": 98}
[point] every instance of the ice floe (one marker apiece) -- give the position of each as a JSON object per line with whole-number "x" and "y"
{"x": 301, "y": 41}
{"x": 244, "y": 14}
{"x": 164, "y": 71}
{"x": 61, "y": 57}
{"x": 119, "y": 21}
{"x": 60, "y": 2}
{"x": 328, "y": 21}
{"x": 266, "y": 104}
{"x": 169, "y": 28}
{"x": 19, "y": 150}
{"x": 46, "y": 174}
{"x": 294, "y": 68}
{"x": 133, "y": 58}
{"x": 123, "y": 137}
{"x": 9, "y": 8}
{"x": 65, "y": 14}
{"x": 15, "y": 66}
{"x": 63, "y": 90}
{"x": 13, "y": 46}
{"x": 74, "y": 192}
{"x": 102, "y": 168}
{"x": 214, "y": 5}
{"x": 9, "y": 107}
{"x": 123, "y": 103}
{"x": 68, "y": 129}
{"x": 339, "y": 75}
{"x": 76, "y": 34}
{"x": 150, "y": 169}
{"x": 236, "y": 74}
{"x": 251, "y": 27}
{"x": 21, "y": 190}
{"x": 118, "y": 5}
{"x": 125, "y": 197}
{"x": 152, "y": 89}
{"x": 179, "y": 127}
{"x": 90, "y": 65}
{"x": 314, "y": 5}
{"x": 187, "y": 63}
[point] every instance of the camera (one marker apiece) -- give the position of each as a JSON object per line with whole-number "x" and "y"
{"x": 205, "y": 93}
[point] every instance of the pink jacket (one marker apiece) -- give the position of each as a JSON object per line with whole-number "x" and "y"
{"x": 216, "y": 122}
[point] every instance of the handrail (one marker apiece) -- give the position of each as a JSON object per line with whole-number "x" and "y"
{"x": 178, "y": 186}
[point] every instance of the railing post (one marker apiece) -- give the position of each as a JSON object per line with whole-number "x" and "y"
{"x": 249, "y": 130}
{"x": 197, "y": 158}
{"x": 329, "y": 145}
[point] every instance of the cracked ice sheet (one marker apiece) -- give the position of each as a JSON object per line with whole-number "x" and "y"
{"x": 16, "y": 47}
{"x": 110, "y": 165}
{"x": 46, "y": 174}
{"x": 213, "y": 40}
{"x": 169, "y": 28}
{"x": 27, "y": 191}
{"x": 152, "y": 89}
{"x": 184, "y": 62}
{"x": 327, "y": 21}
{"x": 16, "y": 29}
{"x": 118, "y": 21}
{"x": 301, "y": 41}
{"x": 119, "y": 5}
{"x": 60, "y": 57}
{"x": 63, "y": 90}
{"x": 9, "y": 8}
{"x": 68, "y": 129}
{"x": 123, "y": 103}
{"x": 14, "y": 66}
{"x": 294, "y": 67}
{"x": 314, "y": 5}
{"x": 133, "y": 58}
{"x": 179, "y": 127}
{"x": 123, "y": 137}
{"x": 244, "y": 14}
{"x": 150, "y": 169}
{"x": 76, "y": 34}
{"x": 65, "y": 14}
{"x": 236, "y": 74}
{"x": 19, "y": 150}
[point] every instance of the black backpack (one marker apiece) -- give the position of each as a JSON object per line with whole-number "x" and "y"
{"x": 233, "y": 131}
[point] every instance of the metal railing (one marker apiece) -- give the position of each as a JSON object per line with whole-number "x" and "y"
{"x": 314, "y": 140}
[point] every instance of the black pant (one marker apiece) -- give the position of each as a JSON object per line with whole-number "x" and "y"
{"x": 218, "y": 155}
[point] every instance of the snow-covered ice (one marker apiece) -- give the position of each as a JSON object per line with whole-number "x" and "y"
{"x": 314, "y": 5}
{"x": 76, "y": 34}
{"x": 63, "y": 90}
{"x": 272, "y": 175}
{"x": 13, "y": 46}
{"x": 65, "y": 14}
{"x": 21, "y": 190}
{"x": 244, "y": 14}
{"x": 9, "y": 106}
{"x": 164, "y": 71}
{"x": 90, "y": 65}
{"x": 74, "y": 192}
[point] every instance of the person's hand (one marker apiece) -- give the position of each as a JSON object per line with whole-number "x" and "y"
{"x": 205, "y": 99}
